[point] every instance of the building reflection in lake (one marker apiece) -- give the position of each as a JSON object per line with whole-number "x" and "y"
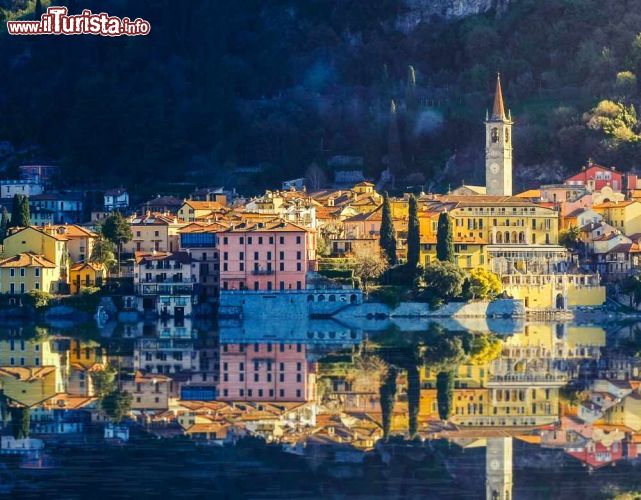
{"x": 318, "y": 385}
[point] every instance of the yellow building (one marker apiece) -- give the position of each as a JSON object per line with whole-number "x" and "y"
{"x": 80, "y": 241}
{"x": 28, "y": 272}
{"x": 626, "y": 413}
{"x": 469, "y": 253}
{"x": 555, "y": 291}
{"x": 624, "y": 215}
{"x": 154, "y": 232}
{"x": 149, "y": 391}
{"x": 503, "y": 221}
{"x": 87, "y": 275}
{"x": 84, "y": 359}
{"x": 192, "y": 210}
{"x": 28, "y": 386}
{"x": 52, "y": 247}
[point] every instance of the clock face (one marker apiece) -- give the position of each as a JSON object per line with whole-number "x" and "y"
{"x": 494, "y": 168}
{"x": 494, "y": 464}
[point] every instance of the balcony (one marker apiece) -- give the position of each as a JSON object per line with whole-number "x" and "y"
{"x": 167, "y": 288}
{"x": 527, "y": 379}
{"x": 161, "y": 279}
{"x": 263, "y": 272}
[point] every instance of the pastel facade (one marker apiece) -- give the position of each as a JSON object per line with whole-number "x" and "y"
{"x": 149, "y": 391}
{"x": 86, "y": 275}
{"x": 270, "y": 256}
{"x": 153, "y": 232}
{"x": 200, "y": 242}
{"x": 266, "y": 372}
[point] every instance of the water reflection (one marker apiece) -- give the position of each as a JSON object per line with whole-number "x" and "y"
{"x": 340, "y": 399}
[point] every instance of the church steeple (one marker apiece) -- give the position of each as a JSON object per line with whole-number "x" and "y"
{"x": 498, "y": 147}
{"x": 498, "y": 111}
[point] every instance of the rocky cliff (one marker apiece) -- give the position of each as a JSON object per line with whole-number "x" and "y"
{"x": 430, "y": 10}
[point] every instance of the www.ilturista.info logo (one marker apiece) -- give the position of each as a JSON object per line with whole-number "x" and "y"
{"x": 57, "y": 21}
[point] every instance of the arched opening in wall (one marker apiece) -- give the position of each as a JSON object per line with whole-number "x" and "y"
{"x": 499, "y": 238}
{"x": 559, "y": 330}
{"x": 310, "y": 298}
{"x": 522, "y": 237}
{"x": 506, "y": 237}
{"x": 352, "y": 298}
{"x": 332, "y": 298}
{"x": 515, "y": 237}
{"x": 560, "y": 301}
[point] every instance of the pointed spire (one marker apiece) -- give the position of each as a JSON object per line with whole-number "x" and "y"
{"x": 498, "y": 112}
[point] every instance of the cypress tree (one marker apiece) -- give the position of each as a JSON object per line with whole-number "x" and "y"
{"x": 444, "y": 239}
{"x": 387, "y": 236}
{"x": 4, "y": 224}
{"x": 413, "y": 398}
{"x": 388, "y": 397}
{"x": 413, "y": 234}
{"x": 444, "y": 394}
{"x": 25, "y": 213}
{"x": 15, "y": 210}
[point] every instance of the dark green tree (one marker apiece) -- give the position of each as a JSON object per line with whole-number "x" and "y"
{"x": 20, "y": 420}
{"x": 4, "y": 224}
{"x": 444, "y": 393}
{"x": 388, "y": 235}
{"x": 388, "y": 398}
{"x": 413, "y": 234}
{"x": 443, "y": 281}
{"x": 116, "y": 405}
{"x": 117, "y": 230}
{"x": 413, "y": 398}
{"x": 38, "y": 9}
{"x": 15, "y": 210}
{"x": 444, "y": 238}
{"x": 24, "y": 219}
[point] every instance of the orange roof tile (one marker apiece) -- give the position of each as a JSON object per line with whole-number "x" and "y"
{"x": 27, "y": 259}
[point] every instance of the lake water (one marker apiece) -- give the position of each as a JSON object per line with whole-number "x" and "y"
{"x": 536, "y": 410}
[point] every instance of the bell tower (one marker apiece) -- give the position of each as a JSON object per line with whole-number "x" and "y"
{"x": 498, "y": 147}
{"x": 498, "y": 468}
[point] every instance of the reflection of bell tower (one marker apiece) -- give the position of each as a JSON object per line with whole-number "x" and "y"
{"x": 498, "y": 468}
{"x": 498, "y": 148}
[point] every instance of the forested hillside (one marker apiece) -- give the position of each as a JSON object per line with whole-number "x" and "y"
{"x": 290, "y": 82}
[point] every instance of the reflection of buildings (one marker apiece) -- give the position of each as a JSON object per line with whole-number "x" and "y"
{"x": 266, "y": 372}
{"x": 521, "y": 387}
{"x": 171, "y": 355}
{"x": 498, "y": 468}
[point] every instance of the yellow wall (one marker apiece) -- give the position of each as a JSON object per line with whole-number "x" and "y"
{"x": 468, "y": 255}
{"x": 46, "y": 281}
{"x": 626, "y": 413}
{"x": 627, "y": 218}
{"x": 78, "y": 278}
{"x": 29, "y": 393}
{"x": 544, "y": 296}
{"x": 32, "y": 240}
{"x": 481, "y": 221}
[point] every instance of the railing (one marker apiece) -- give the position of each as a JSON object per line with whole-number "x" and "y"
{"x": 185, "y": 288}
{"x": 164, "y": 280}
{"x": 263, "y": 272}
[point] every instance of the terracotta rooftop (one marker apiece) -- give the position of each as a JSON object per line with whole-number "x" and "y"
{"x": 27, "y": 259}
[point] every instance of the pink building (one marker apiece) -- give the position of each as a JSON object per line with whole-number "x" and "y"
{"x": 273, "y": 255}
{"x": 595, "y": 177}
{"x": 266, "y": 372}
